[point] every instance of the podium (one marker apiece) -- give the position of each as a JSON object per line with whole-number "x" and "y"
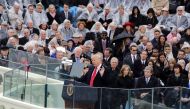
{"x": 79, "y": 95}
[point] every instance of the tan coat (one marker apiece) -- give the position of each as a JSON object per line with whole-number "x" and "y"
{"x": 158, "y": 5}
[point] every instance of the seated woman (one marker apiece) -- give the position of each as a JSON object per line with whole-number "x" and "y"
{"x": 128, "y": 28}
{"x": 97, "y": 28}
{"x": 173, "y": 37}
{"x": 136, "y": 17}
{"x": 151, "y": 19}
{"x": 142, "y": 31}
{"x": 90, "y": 15}
{"x": 67, "y": 29}
{"x": 81, "y": 28}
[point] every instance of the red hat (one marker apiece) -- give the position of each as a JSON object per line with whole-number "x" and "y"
{"x": 128, "y": 24}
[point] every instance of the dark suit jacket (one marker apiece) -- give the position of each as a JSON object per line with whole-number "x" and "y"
{"x": 153, "y": 82}
{"x": 174, "y": 81}
{"x": 128, "y": 60}
{"x": 51, "y": 19}
{"x": 125, "y": 82}
{"x": 111, "y": 76}
{"x": 4, "y": 41}
{"x": 63, "y": 17}
{"x": 23, "y": 40}
{"x": 107, "y": 62}
{"x": 99, "y": 81}
{"x": 98, "y": 45}
{"x": 138, "y": 68}
{"x": 137, "y": 21}
{"x": 36, "y": 31}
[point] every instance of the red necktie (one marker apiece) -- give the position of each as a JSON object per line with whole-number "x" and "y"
{"x": 93, "y": 77}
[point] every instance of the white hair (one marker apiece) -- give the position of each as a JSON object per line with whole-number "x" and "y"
{"x": 114, "y": 58}
{"x": 77, "y": 49}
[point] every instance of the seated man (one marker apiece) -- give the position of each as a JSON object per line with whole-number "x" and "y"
{"x": 147, "y": 81}
{"x": 179, "y": 20}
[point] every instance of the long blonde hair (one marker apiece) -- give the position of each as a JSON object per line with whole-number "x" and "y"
{"x": 123, "y": 68}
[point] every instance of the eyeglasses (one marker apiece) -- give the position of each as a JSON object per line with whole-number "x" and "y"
{"x": 134, "y": 50}
{"x": 179, "y": 10}
{"x": 104, "y": 34}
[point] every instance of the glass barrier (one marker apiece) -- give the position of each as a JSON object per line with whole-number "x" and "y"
{"x": 46, "y": 82}
{"x": 72, "y": 94}
{"x": 55, "y": 69}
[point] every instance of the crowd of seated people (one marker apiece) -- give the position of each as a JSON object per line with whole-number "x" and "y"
{"x": 127, "y": 43}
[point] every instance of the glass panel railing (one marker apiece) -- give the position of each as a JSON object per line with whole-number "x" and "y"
{"x": 60, "y": 95}
{"x": 185, "y": 98}
{"x": 38, "y": 94}
{"x": 87, "y": 97}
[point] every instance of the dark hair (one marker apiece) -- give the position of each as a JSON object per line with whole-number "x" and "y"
{"x": 144, "y": 51}
{"x": 159, "y": 43}
{"x": 132, "y": 46}
{"x": 15, "y": 36}
{"x": 133, "y": 10}
{"x": 66, "y": 4}
{"x": 181, "y": 51}
{"x": 178, "y": 66}
{"x": 109, "y": 49}
{"x": 151, "y": 10}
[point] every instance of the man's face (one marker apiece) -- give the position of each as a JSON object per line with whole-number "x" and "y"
{"x": 95, "y": 61}
{"x": 4, "y": 52}
{"x": 16, "y": 8}
{"x": 30, "y": 24}
{"x": 167, "y": 50}
{"x": 11, "y": 33}
{"x": 145, "y": 40}
{"x": 147, "y": 73}
{"x": 114, "y": 63}
{"x": 156, "y": 35}
{"x": 107, "y": 11}
{"x": 121, "y": 11}
{"x": 103, "y": 36}
{"x": 66, "y": 8}
{"x": 180, "y": 55}
{"x": 43, "y": 35}
{"x": 179, "y": 12}
{"x": 107, "y": 53}
{"x": 143, "y": 55}
{"x": 90, "y": 9}
{"x": 26, "y": 33}
{"x": 59, "y": 55}
{"x": 39, "y": 9}
{"x": 67, "y": 24}
{"x": 1, "y": 9}
{"x": 149, "y": 46}
{"x": 78, "y": 53}
{"x": 14, "y": 42}
{"x": 31, "y": 9}
{"x": 165, "y": 13}
{"x": 134, "y": 50}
